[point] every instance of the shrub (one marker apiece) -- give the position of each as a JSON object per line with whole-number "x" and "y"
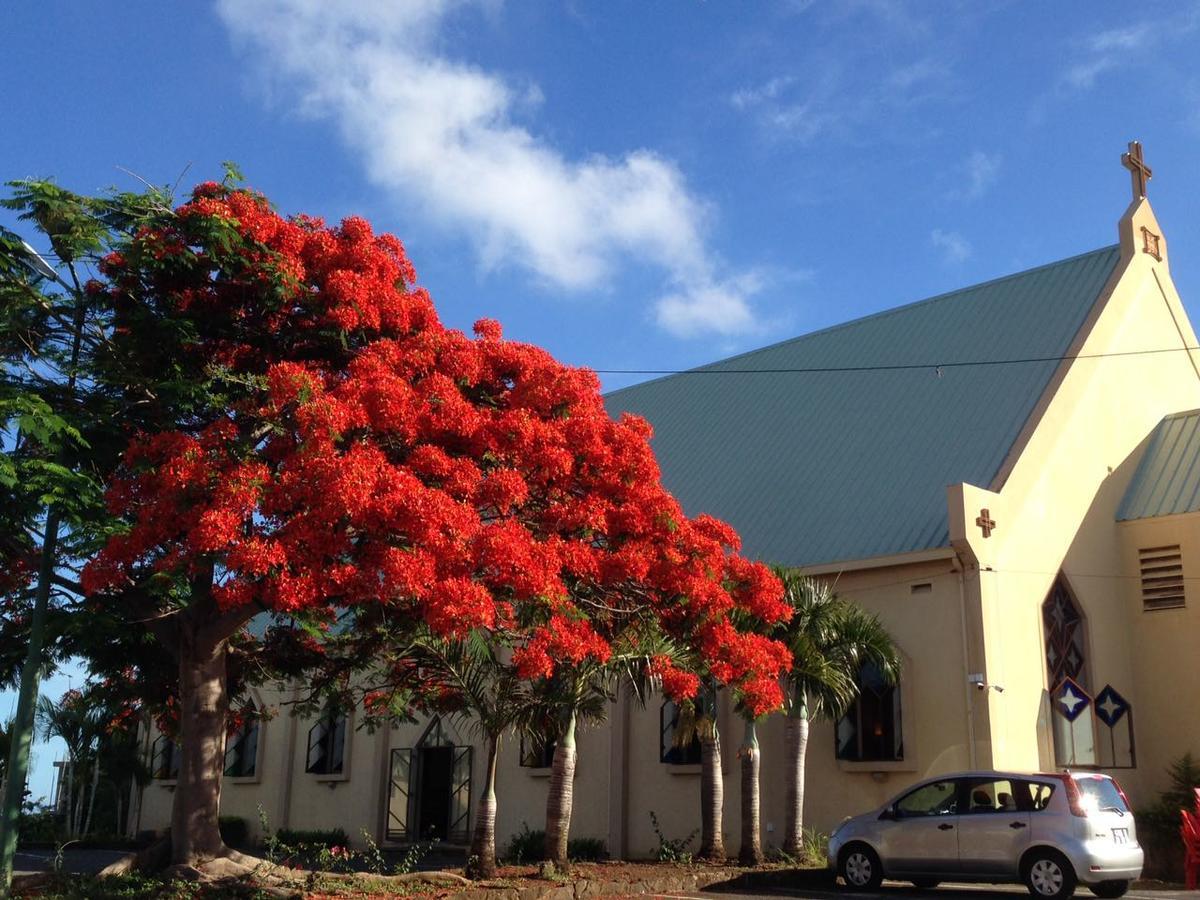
{"x": 1158, "y": 825}
{"x": 669, "y": 850}
{"x": 587, "y": 849}
{"x": 292, "y": 837}
{"x": 234, "y": 832}
{"x": 529, "y": 845}
{"x": 526, "y": 846}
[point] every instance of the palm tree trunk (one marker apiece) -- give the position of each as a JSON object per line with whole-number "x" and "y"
{"x": 712, "y": 796}
{"x": 482, "y": 858}
{"x": 87, "y": 822}
{"x": 750, "y": 853}
{"x": 795, "y": 739}
{"x": 561, "y": 797}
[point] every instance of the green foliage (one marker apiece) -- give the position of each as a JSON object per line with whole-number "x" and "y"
{"x": 584, "y": 849}
{"x": 1158, "y": 824}
{"x": 529, "y": 845}
{"x": 526, "y": 846}
{"x": 41, "y": 827}
{"x": 672, "y": 850}
{"x": 294, "y": 837}
{"x": 812, "y": 851}
{"x": 830, "y": 640}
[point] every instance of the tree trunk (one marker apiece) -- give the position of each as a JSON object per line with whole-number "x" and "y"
{"x": 712, "y": 796}
{"x": 561, "y": 796}
{"x": 751, "y": 849}
{"x": 203, "y": 704}
{"x": 795, "y": 739}
{"x": 481, "y": 862}
{"x": 87, "y": 822}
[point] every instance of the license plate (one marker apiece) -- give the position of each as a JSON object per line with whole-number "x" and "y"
{"x": 1120, "y": 835}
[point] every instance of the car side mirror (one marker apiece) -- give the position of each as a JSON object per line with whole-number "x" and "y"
{"x": 888, "y": 814}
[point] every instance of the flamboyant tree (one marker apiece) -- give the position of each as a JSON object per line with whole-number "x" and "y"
{"x": 339, "y": 447}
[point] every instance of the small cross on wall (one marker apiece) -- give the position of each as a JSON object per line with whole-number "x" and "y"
{"x": 1139, "y": 172}
{"x": 985, "y": 522}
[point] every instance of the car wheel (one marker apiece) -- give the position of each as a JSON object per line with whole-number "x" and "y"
{"x": 925, "y": 884}
{"x": 860, "y": 868}
{"x": 1109, "y": 889}
{"x": 1049, "y": 875}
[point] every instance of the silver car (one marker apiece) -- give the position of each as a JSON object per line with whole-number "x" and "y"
{"x": 1049, "y": 831}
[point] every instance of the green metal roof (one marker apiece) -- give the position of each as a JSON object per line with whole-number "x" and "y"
{"x": 1167, "y": 480}
{"x": 824, "y": 467}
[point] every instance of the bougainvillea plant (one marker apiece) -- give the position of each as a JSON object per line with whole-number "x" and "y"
{"x": 352, "y": 451}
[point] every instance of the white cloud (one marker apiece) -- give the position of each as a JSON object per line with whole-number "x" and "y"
{"x": 841, "y": 100}
{"x": 444, "y": 133}
{"x": 955, "y": 248}
{"x": 980, "y": 171}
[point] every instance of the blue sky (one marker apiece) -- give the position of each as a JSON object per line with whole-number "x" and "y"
{"x": 641, "y": 185}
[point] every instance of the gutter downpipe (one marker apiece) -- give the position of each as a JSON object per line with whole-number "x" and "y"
{"x": 970, "y": 701}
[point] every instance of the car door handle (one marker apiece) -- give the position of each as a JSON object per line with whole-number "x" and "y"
{"x": 944, "y": 827}
{"x": 1016, "y": 825}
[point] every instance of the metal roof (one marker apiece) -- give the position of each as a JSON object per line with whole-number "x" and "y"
{"x": 1167, "y": 480}
{"x": 836, "y": 466}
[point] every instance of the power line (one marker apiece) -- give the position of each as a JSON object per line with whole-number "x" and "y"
{"x": 935, "y": 367}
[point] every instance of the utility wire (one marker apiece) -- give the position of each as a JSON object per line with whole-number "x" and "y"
{"x": 935, "y": 367}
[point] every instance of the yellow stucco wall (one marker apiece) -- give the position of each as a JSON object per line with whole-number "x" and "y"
{"x": 1056, "y": 509}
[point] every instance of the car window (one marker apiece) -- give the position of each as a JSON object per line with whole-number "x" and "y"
{"x": 1101, "y": 793}
{"x": 1039, "y": 795}
{"x": 996, "y": 795}
{"x": 939, "y": 798}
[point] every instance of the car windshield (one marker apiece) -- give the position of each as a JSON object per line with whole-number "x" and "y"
{"x": 1102, "y": 793}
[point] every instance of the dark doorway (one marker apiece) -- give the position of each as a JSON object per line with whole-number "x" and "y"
{"x": 433, "y": 816}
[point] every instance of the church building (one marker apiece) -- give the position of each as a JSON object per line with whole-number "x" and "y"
{"x": 1008, "y": 475}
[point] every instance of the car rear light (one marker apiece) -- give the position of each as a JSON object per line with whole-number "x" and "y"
{"x": 1074, "y": 796}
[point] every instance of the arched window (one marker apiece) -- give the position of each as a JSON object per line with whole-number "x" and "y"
{"x": 1067, "y": 673}
{"x": 1066, "y": 638}
{"x": 872, "y": 729}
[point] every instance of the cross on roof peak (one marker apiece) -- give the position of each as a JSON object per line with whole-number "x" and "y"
{"x": 1139, "y": 172}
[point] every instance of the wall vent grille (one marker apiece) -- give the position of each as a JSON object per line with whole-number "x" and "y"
{"x": 1162, "y": 577}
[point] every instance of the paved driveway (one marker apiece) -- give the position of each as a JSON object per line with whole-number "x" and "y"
{"x": 86, "y": 861}
{"x": 901, "y": 891}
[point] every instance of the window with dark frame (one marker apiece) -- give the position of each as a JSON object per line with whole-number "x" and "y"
{"x": 872, "y": 729}
{"x": 537, "y": 752}
{"x": 670, "y": 750}
{"x": 164, "y": 758}
{"x": 241, "y": 749}
{"x": 327, "y": 745}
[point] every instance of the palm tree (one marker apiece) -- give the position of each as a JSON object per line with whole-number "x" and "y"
{"x": 698, "y": 721}
{"x": 750, "y": 852}
{"x": 830, "y": 640}
{"x": 572, "y": 697}
{"x": 80, "y": 724}
{"x": 581, "y": 694}
{"x": 494, "y": 701}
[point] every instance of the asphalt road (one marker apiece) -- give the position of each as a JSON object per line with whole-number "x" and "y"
{"x": 902, "y": 891}
{"x": 87, "y": 861}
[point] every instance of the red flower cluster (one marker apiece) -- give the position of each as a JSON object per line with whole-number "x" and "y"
{"x": 378, "y": 457}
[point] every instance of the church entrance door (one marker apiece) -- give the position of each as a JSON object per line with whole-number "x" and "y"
{"x": 433, "y": 817}
{"x": 429, "y": 790}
